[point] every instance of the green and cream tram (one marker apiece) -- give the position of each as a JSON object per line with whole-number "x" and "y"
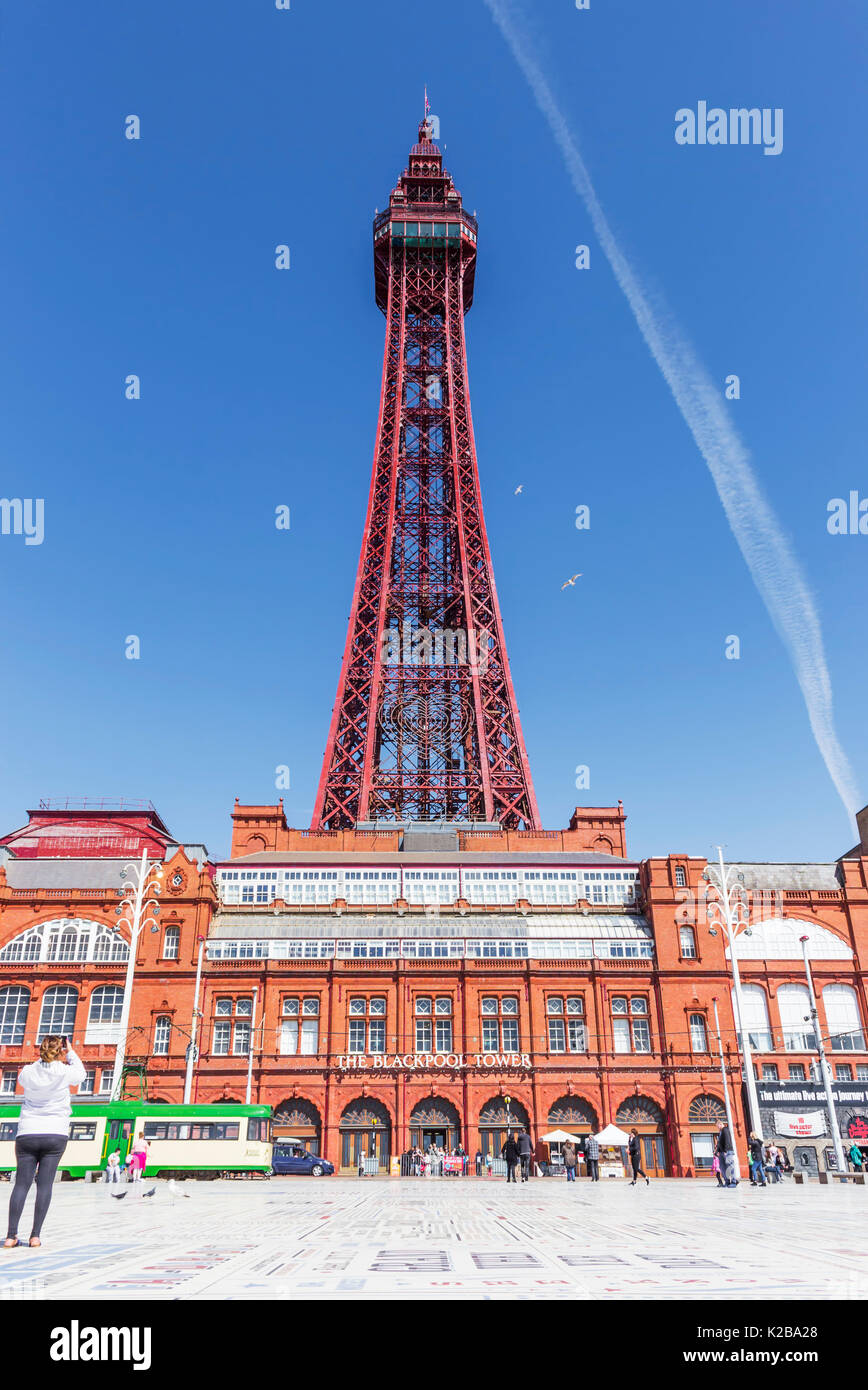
{"x": 184, "y": 1141}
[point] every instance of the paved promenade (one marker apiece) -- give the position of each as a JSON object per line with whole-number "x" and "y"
{"x": 429, "y": 1238}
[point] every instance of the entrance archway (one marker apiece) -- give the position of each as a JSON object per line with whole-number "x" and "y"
{"x": 495, "y": 1123}
{"x": 705, "y": 1115}
{"x": 298, "y": 1119}
{"x": 644, "y": 1114}
{"x": 435, "y": 1120}
{"x": 365, "y": 1127}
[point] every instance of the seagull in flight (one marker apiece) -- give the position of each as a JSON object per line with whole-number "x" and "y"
{"x": 518, "y": 489}
{"x": 571, "y": 583}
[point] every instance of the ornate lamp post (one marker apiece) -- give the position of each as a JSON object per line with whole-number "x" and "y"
{"x": 729, "y": 908}
{"x": 137, "y": 907}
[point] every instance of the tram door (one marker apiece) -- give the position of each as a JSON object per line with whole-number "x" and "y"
{"x": 118, "y": 1135}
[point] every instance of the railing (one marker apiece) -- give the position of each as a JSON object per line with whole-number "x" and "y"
{"x": 64, "y": 893}
{"x": 89, "y": 803}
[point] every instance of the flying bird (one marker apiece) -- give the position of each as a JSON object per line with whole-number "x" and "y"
{"x": 518, "y": 489}
{"x": 571, "y": 582}
{"x": 118, "y": 1196}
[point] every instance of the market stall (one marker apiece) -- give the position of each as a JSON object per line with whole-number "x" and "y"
{"x": 613, "y": 1151}
{"x": 555, "y": 1139}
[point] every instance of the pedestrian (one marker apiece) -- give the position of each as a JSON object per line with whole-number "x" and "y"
{"x": 138, "y": 1157}
{"x": 525, "y": 1153}
{"x": 726, "y": 1153}
{"x": 361, "y": 1163}
{"x": 757, "y": 1169}
{"x": 592, "y": 1152}
{"x": 715, "y": 1168}
{"x": 43, "y": 1130}
{"x": 510, "y": 1153}
{"x": 478, "y": 1163}
{"x": 771, "y": 1165}
{"x": 856, "y": 1156}
{"x": 569, "y": 1152}
{"x": 489, "y": 1165}
{"x": 635, "y": 1149}
{"x": 113, "y": 1167}
{"x": 781, "y": 1166}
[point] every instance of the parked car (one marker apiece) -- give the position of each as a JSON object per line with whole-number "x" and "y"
{"x": 293, "y": 1158}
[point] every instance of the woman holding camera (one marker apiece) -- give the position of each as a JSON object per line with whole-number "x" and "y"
{"x": 43, "y": 1130}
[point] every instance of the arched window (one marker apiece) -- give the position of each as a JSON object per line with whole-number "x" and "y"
{"x": 842, "y": 1017}
{"x": 794, "y": 1005}
{"x": 66, "y": 939}
{"x": 162, "y": 1033}
{"x": 687, "y": 941}
{"x": 639, "y": 1110}
{"x": 104, "y": 1015}
{"x": 756, "y": 1017}
{"x": 58, "y": 1011}
{"x": 698, "y": 1033}
{"x": 572, "y": 1113}
{"x": 706, "y": 1110}
{"x": 14, "y": 1003}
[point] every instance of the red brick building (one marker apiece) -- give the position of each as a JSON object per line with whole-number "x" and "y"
{"x": 398, "y": 983}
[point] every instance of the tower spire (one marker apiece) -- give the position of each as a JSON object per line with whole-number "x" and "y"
{"x": 425, "y": 725}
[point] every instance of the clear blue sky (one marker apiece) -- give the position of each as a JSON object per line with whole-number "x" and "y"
{"x": 260, "y": 387}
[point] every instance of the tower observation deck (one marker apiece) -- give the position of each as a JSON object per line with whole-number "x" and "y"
{"x": 425, "y": 724}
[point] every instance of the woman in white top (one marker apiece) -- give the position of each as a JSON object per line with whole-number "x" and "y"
{"x": 43, "y": 1130}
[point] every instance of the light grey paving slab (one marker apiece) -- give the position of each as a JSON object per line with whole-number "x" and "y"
{"x": 347, "y": 1239}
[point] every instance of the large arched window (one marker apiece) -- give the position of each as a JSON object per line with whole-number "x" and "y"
{"x": 756, "y": 1017}
{"x": 64, "y": 940}
{"x": 58, "y": 1011}
{"x": 104, "y": 1016}
{"x": 706, "y": 1110}
{"x": 842, "y": 1017}
{"x": 14, "y": 1003}
{"x": 794, "y": 1006}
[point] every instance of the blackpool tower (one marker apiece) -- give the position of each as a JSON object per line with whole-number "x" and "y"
{"x": 425, "y": 724}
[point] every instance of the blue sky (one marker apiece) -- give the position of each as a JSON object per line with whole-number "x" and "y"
{"x": 260, "y": 387}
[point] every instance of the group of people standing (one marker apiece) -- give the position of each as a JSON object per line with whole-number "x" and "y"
{"x": 571, "y": 1156}
{"x": 766, "y": 1162}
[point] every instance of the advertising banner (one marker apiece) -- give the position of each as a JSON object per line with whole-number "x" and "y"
{"x": 806, "y": 1126}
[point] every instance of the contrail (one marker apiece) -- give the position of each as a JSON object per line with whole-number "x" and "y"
{"x": 767, "y": 551}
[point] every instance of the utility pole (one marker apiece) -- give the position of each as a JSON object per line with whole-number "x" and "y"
{"x": 726, "y": 1091}
{"x": 250, "y": 1053}
{"x": 825, "y": 1070}
{"x": 192, "y": 1050}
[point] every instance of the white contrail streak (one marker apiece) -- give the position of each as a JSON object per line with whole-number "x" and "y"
{"x": 767, "y": 551}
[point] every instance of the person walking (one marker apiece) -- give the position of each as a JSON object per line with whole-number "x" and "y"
{"x": 855, "y": 1156}
{"x": 715, "y": 1168}
{"x": 635, "y": 1150}
{"x": 138, "y": 1157}
{"x": 510, "y": 1153}
{"x": 525, "y": 1153}
{"x": 361, "y": 1163}
{"x": 478, "y": 1163}
{"x": 43, "y": 1130}
{"x": 569, "y": 1153}
{"x": 592, "y": 1153}
{"x": 757, "y": 1168}
{"x": 726, "y": 1153}
{"x": 771, "y": 1166}
{"x": 113, "y": 1166}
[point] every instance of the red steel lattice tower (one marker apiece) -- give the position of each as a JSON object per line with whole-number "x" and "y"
{"x": 425, "y": 724}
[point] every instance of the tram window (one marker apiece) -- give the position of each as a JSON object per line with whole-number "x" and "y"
{"x": 82, "y": 1131}
{"x": 156, "y": 1130}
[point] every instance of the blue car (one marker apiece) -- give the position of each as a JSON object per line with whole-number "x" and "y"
{"x": 293, "y": 1158}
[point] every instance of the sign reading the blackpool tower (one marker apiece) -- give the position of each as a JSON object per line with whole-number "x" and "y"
{"x": 439, "y": 1061}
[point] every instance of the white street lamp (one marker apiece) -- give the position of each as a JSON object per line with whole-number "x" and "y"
{"x": 728, "y": 907}
{"x": 193, "y": 1050}
{"x": 726, "y": 1091}
{"x": 825, "y": 1069}
{"x": 137, "y": 907}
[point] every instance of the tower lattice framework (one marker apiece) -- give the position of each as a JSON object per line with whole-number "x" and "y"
{"x": 425, "y": 725}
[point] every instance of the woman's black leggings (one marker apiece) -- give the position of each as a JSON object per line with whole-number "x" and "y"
{"x": 37, "y": 1156}
{"x": 636, "y": 1164}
